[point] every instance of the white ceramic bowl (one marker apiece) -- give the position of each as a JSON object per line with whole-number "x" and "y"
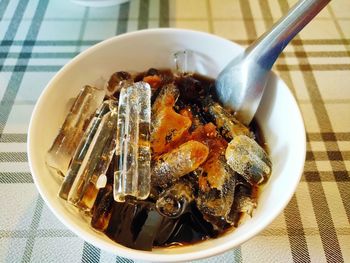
{"x": 278, "y": 115}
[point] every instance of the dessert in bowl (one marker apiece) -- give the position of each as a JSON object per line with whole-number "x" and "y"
{"x": 278, "y": 116}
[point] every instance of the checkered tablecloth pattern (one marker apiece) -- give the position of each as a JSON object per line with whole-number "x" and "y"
{"x": 37, "y": 37}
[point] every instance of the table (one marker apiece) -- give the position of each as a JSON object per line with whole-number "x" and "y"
{"x": 39, "y": 36}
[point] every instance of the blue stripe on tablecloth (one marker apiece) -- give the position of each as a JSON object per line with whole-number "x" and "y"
{"x": 90, "y": 253}
{"x": 39, "y": 55}
{"x": 16, "y": 77}
{"x": 237, "y": 252}
{"x": 15, "y": 178}
{"x": 25, "y": 68}
{"x": 123, "y": 260}
{"x": 123, "y": 18}
{"x": 11, "y": 92}
{"x": 33, "y": 229}
{"x": 48, "y": 42}
{"x": 39, "y": 233}
{"x": 3, "y": 6}
{"x": 12, "y": 29}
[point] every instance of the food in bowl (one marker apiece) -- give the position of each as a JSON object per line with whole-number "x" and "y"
{"x": 282, "y": 127}
{"x": 158, "y": 162}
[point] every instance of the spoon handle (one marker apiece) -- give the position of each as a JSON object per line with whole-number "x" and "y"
{"x": 266, "y": 49}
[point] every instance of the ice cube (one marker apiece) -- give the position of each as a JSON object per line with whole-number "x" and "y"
{"x": 95, "y": 164}
{"x": 63, "y": 148}
{"x": 132, "y": 175}
{"x": 82, "y": 150}
{"x": 248, "y": 158}
{"x": 184, "y": 62}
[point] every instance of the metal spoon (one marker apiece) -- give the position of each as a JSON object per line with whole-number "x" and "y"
{"x": 241, "y": 84}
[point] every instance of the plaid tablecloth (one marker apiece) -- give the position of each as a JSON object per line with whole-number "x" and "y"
{"x": 39, "y": 36}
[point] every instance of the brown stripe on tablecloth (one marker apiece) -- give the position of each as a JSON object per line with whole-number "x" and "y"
{"x": 210, "y": 17}
{"x": 328, "y": 136}
{"x": 13, "y": 137}
{"x": 309, "y": 231}
{"x": 13, "y": 157}
{"x": 143, "y": 14}
{"x": 345, "y": 154}
{"x": 321, "y": 162}
{"x": 123, "y": 17}
{"x": 327, "y": 41}
{"x": 164, "y": 13}
{"x": 313, "y": 175}
{"x": 296, "y": 235}
{"x": 248, "y": 19}
{"x": 323, "y": 216}
{"x": 316, "y": 67}
{"x": 327, "y": 101}
{"x": 328, "y": 155}
{"x": 317, "y": 54}
{"x": 339, "y": 29}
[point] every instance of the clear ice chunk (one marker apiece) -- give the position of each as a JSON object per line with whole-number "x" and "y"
{"x": 84, "y": 190}
{"x": 248, "y": 158}
{"x": 82, "y": 149}
{"x": 63, "y": 148}
{"x": 184, "y": 62}
{"x": 132, "y": 175}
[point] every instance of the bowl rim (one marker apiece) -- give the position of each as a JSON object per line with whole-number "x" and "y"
{"x": 150, "y": 255}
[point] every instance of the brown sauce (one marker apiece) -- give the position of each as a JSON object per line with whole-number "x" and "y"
{"x": 137, "y": 224}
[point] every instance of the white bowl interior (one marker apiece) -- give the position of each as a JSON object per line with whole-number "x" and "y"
{"x": 278, "y": 116}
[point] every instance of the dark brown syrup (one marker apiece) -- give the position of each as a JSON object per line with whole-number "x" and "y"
{"x": 137, "y": 224}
